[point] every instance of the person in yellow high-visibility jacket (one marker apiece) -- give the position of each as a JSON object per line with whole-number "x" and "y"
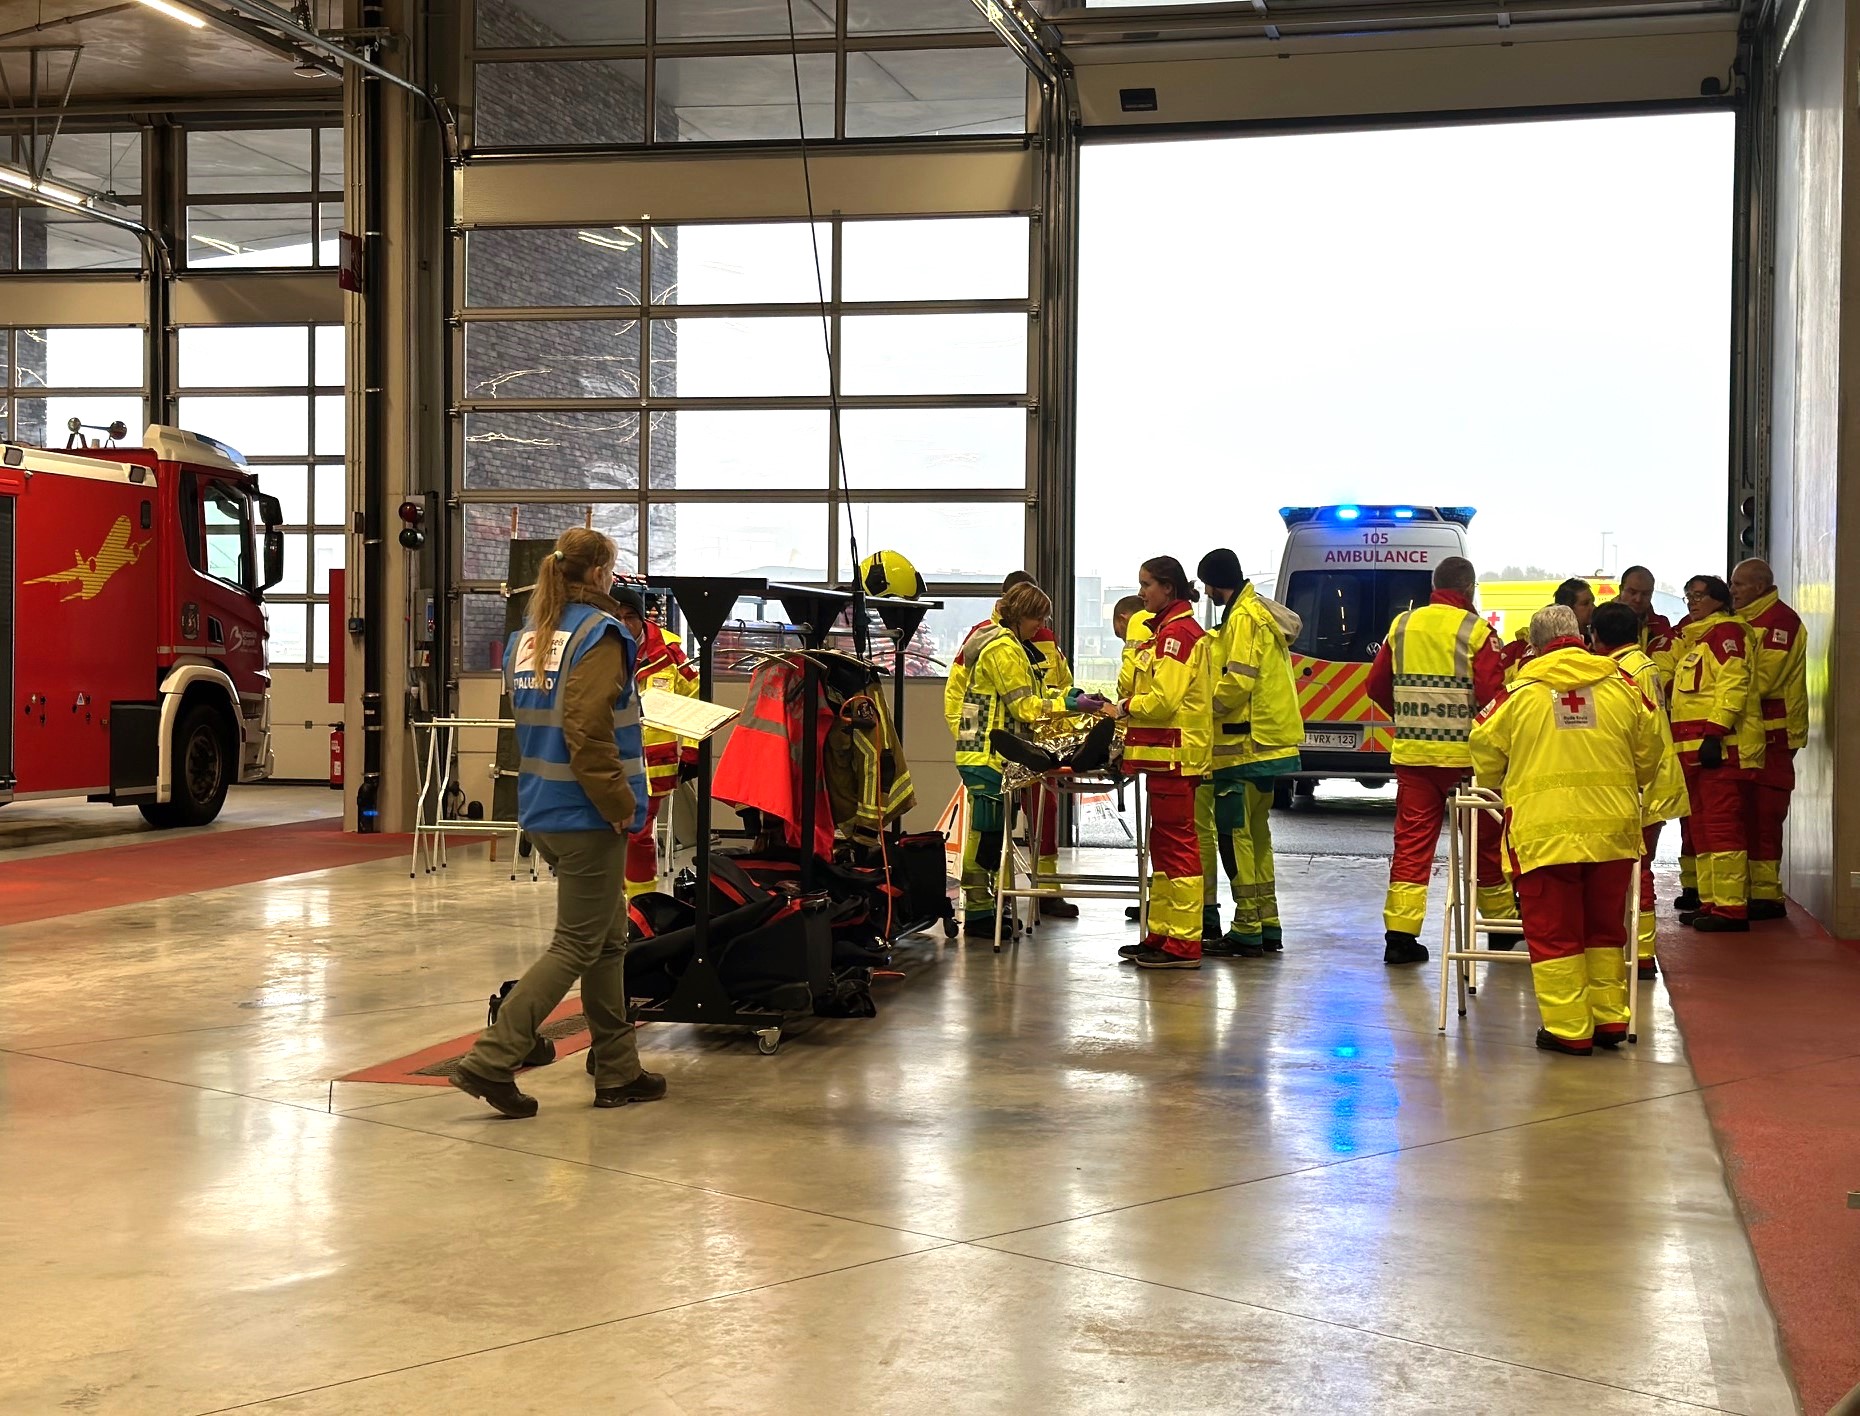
{"x": 1169, "y": 741}
{"x": 999, "y": 691}
{"x": 1257, "y": 733}
{"x": 1614, "y": 632}
{"x": 1575, "y": 747}
{"x": 1781, "y": 674}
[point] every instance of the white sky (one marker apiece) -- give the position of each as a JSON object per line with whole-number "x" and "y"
{"x": 1529, "y": 318}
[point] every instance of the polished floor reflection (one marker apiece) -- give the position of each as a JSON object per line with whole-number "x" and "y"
{"x": 1038, "y": 1182}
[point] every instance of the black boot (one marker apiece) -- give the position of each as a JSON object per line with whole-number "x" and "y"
{"x": 1400, "y": 948}
{"x": 647, "y": 1086}
{"x": 1768, "y": 909}
{"x": 1686, "y": 900}
{"x": 1548, "y": 1041}
{"x": 1012, "y": 747}
{"x": 1648, "y": 969}
{"x": 500, "y": 1096}
{"x": 1720, "y": 924}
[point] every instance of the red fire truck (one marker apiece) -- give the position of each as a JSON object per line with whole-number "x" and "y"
{"x": 132, "y": 638}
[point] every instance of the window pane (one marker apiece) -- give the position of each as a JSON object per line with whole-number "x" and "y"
{"x": 912, "y": 16}
{"x": 259, "y": 160}
{"x": 982, "y": 258}
{"x": 224, "y": 513}
{"x": 889, "y": 448}
{"x": 925, "y": 92}
{"x": 249, "y": 234}
{"x": 588, "y": 101}
{"x": 42, "y": 422}
{"x": 326, "y": 555}
{"x": 740, "y": 264}
{"x": 784, "y": 541}
{"x": 53, "y": 240}
{"x": 940, "y": 636}
{"x": 104, "y": 163}
{"x": 329, "y": 234}
{"x": 272, "y": 425}
{"x": 332, "y": 355}
{"x": 920, "y": 354}
{"x": 488, "y": 532}
{"x": 742, "y": 98}
{"x": 778, "y": 356}
{"x": 751, "y": 448}
{"x": 288, "y": 644}
{"x": 482, "y": 633}
{"x": 231, "y": 356}
{"x": 291, "y": 486}
{"x": 331, "y": 173}
{"x": 979, "y": 541}
{"x": 537, "y": 24}
{"x": 332, "y": 490}
{"x": 554, "y": 451}
{"x": 742, "y": 19}
{"x": 78, "y": 358}
{"x": 583, "y": 266}
{"x": 319, "y": 632}
{"x": 552, "y": 359}
{"x": 332, "y": 425}
{"x": 296, "y": 579}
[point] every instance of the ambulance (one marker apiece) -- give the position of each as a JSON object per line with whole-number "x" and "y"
{"x": 1347, "y": 572}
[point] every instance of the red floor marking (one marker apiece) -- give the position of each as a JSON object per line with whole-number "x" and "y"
{"x": 406, "y": 1070}
{"x": 1769, "y": 1022}
{"x": 50, "y": 886}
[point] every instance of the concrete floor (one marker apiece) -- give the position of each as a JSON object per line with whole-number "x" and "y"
{"x": 1038, "y": 1182}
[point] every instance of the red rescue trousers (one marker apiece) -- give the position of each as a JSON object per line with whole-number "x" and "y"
{"x": 1720, "y": 809}
{"x": 1048, "y": 814}
{"x": 1175, "y": 866}
{"x": 1766, "y": 812}
{"x": 1575, "y": 925}
{"x": 1649, "y": 929}
{"x": 642, "y": 854}
{"x": 1420, "y": 807}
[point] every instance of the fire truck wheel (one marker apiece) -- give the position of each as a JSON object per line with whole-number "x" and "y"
{"x": 202, "y": 771}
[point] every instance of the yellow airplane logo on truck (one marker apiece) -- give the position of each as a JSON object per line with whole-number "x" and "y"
{"x": 89, "y": 574}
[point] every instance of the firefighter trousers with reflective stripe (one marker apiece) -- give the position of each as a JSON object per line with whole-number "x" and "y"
{"x": 1575, "y": 926}
{"x": 1768, "y": 813}
{"x": 981, "y": 847}
{"x": 1175, "y": 865}
{"x": 1420, "y": 809}
{"x": 1649, "y": 926}
{"x": 1720, "y": 808}
{"x": 590, "y": 945}
{"x": 642, "y": 854}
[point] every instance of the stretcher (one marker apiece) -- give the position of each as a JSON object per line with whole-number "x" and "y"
{"x": 1019, "y": 877}
{"x": 1471, "y": 810}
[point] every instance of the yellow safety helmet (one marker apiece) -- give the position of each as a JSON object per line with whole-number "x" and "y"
{"x": 889, "y": 573}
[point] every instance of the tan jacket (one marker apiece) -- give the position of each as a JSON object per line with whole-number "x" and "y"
{"x": 594, "y": 684}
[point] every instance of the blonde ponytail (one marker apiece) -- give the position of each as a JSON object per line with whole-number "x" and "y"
{"x": 578, "y": 553}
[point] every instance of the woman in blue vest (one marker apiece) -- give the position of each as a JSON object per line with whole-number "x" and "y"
{"x": 581, "y": 791}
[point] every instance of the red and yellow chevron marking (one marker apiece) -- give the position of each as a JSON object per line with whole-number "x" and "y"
{"x": 1339, "y": 693}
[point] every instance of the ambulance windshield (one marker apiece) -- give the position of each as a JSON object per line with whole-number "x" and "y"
{"x": 1346, "y": 613}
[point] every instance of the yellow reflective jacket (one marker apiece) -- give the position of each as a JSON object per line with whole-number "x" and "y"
{"x": 663, "y": 665}
{"x": 1052, "y": 673}
{"x": 1000, "y": 693}
{"x": 957, "y": 683}
{"x": 1255, "y": 698}
{"x": 1170, "y": 703}
{"x": 1573, "y": 745}
{"x": 1136, "y": 634}
{"x": 1666, "y": 799}
{"x": 1443, "y": 665}
{"x": 1713, "y": 694}
{"x": 1781, "y": 671}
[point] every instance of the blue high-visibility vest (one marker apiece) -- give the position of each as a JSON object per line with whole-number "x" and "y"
{"x": 549, "y": 798}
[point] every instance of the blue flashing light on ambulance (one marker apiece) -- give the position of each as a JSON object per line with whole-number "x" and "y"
{"x": 1347, "y": 571}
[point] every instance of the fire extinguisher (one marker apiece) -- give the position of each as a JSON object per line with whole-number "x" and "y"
{"x": 335, "y": 758}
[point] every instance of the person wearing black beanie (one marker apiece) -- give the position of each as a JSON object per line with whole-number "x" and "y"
{"x": 1258, "y": 730}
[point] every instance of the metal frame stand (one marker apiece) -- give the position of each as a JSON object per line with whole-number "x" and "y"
{"x": 429, "y": 836}
{"x": 1018, "y": 861}
{"x": 1467, "y": 810}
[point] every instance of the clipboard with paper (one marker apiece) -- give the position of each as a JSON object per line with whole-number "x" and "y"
{"x": 690, "y": 718}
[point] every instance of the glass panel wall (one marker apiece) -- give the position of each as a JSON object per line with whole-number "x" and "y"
{"x": 549, "y": 74}
{"x": 53, "y": 378}
{"x": 699, "y": 426}
{"x": 291, "y": 430}
{"x": 107, "y": 165}
{"x": 263, "y": 198}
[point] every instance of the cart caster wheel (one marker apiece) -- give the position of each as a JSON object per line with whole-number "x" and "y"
{"x": 768, "y": 1041}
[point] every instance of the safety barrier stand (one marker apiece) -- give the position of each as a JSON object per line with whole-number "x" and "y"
{"x": 1020, "y": 860}
{"x": 1469, "y": 810}
{"x": 429, "y": 835}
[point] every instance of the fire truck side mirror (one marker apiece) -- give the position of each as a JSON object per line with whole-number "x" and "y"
{"x": 271, "y": 512}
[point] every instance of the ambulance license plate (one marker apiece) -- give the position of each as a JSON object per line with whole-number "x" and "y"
{"x": 1332, "y": 739}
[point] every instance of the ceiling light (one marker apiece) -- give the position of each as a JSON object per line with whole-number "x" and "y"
{"x": 175, "y": 12}
{"x": 308, "y": 68}
{"x": 596, "y": 238}
{"x": 12, "y": 177}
